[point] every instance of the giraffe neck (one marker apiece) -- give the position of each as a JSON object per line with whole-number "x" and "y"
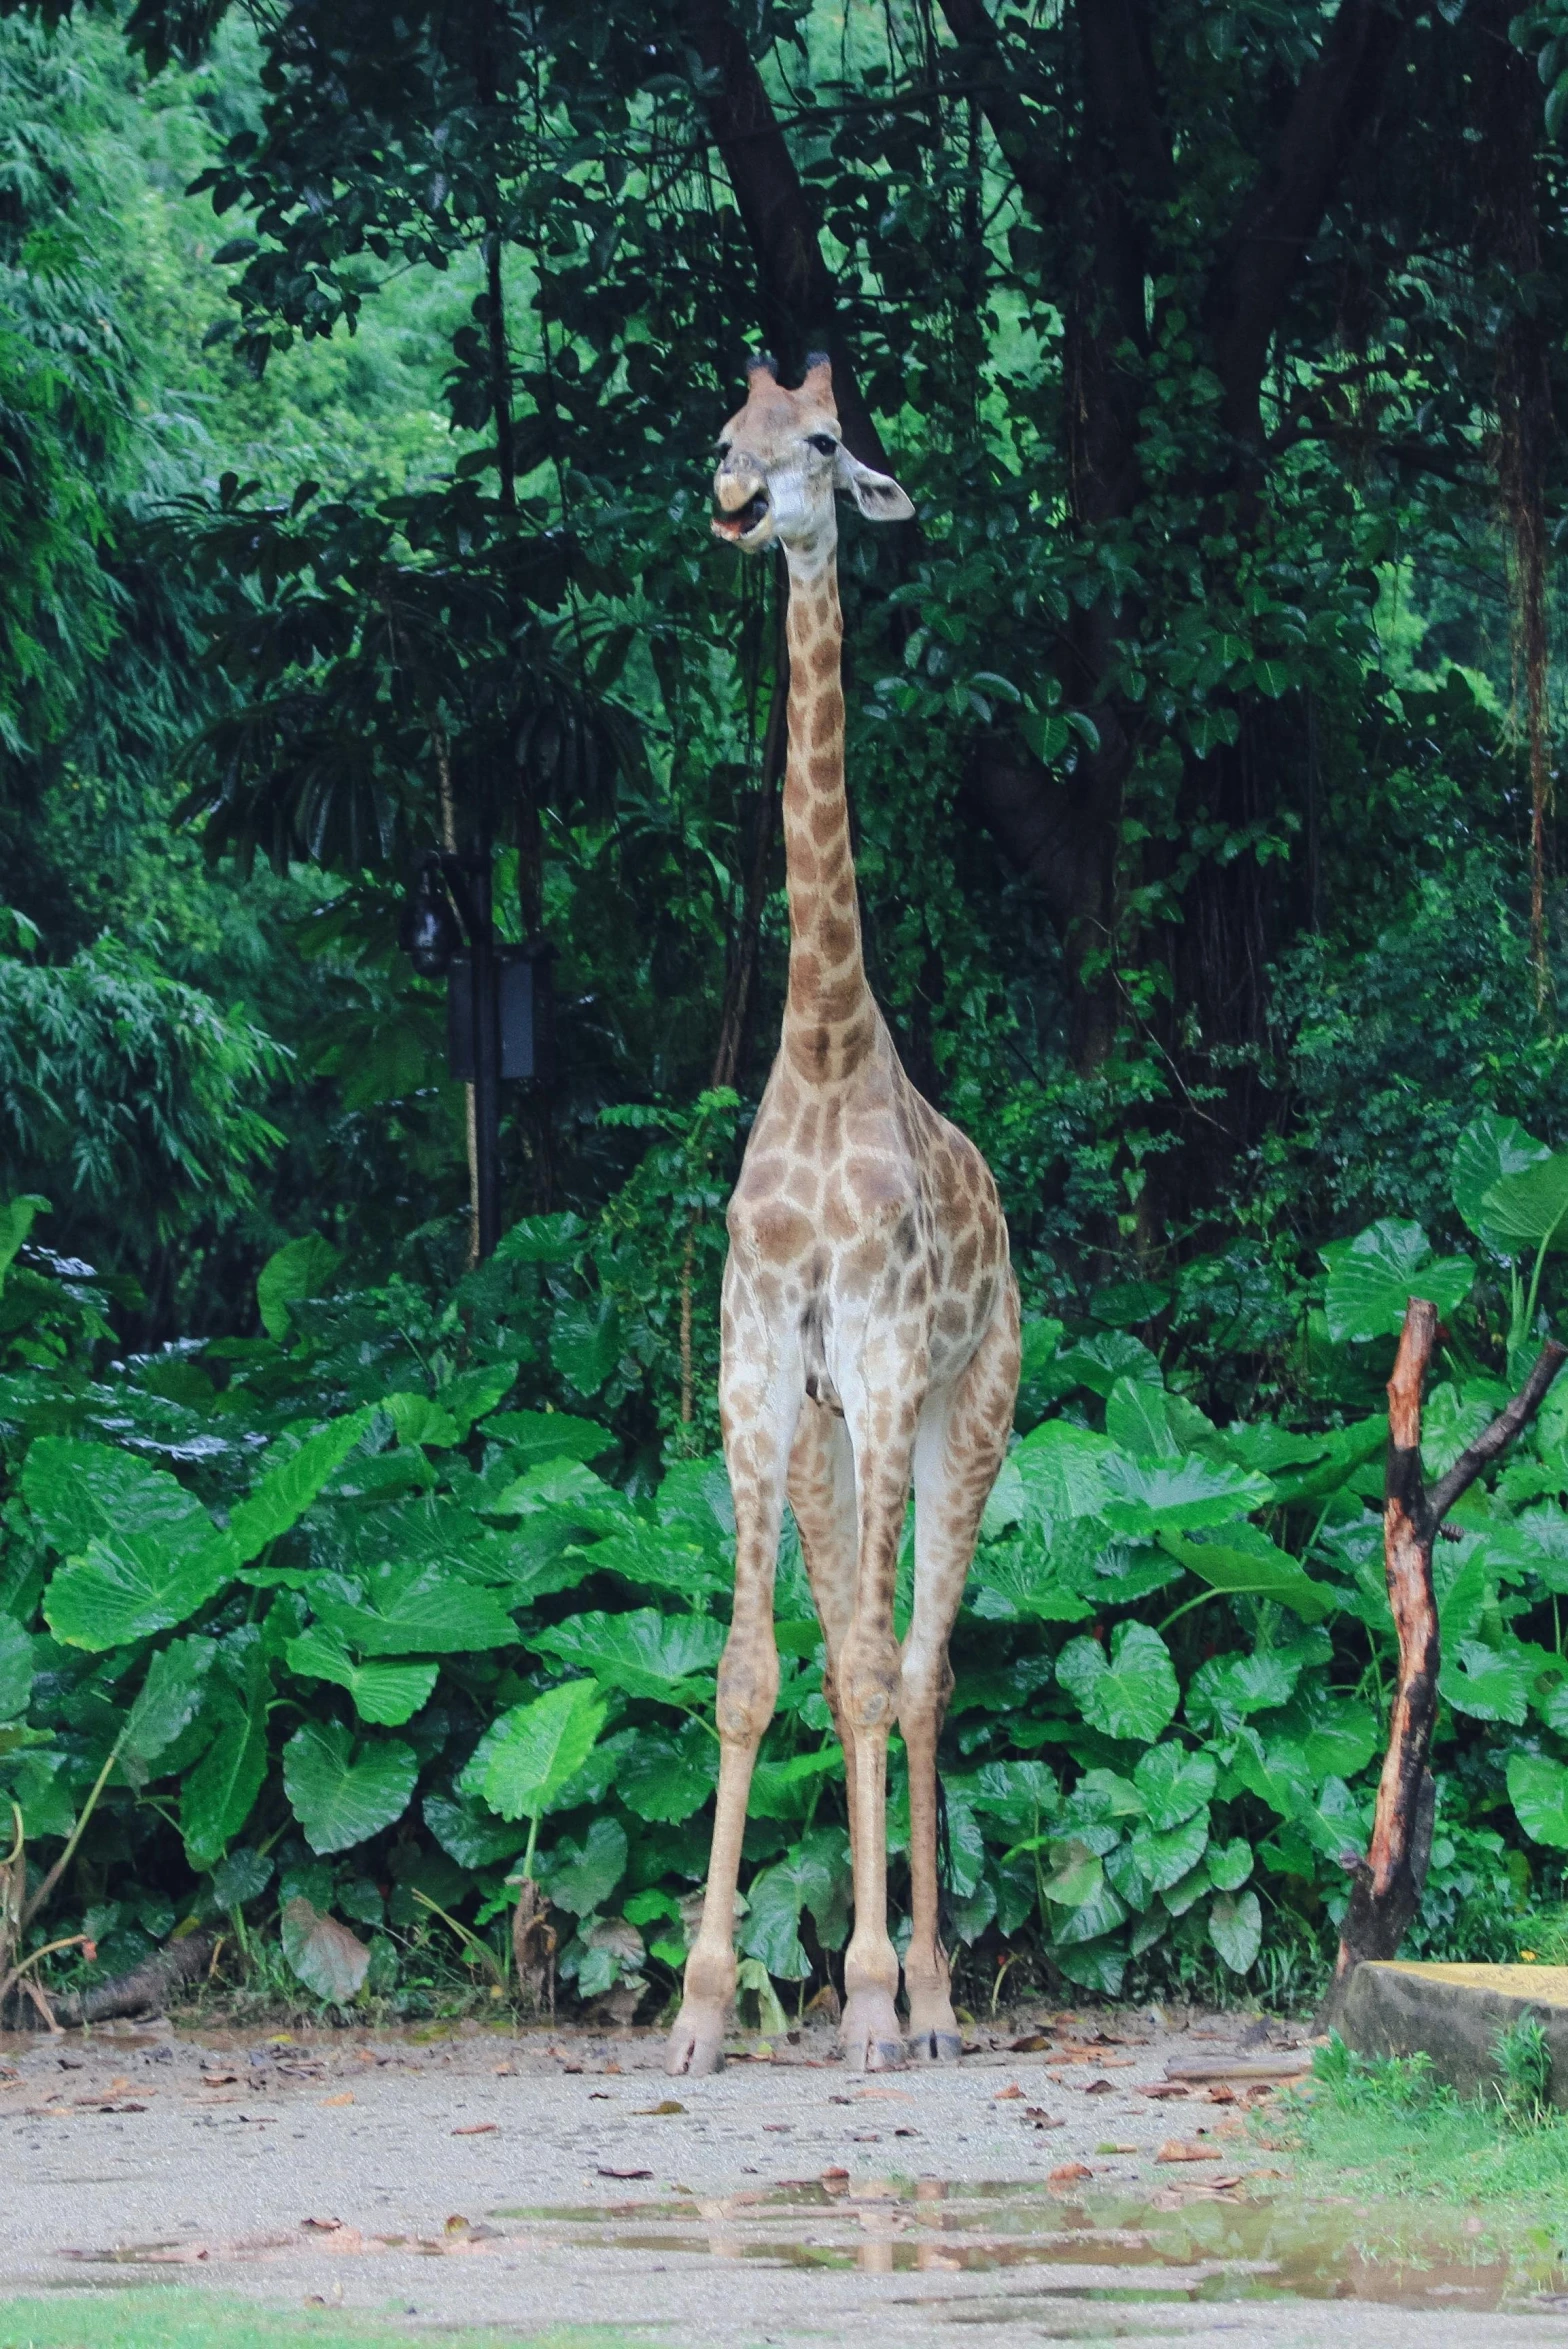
{"x": 829, "y": 1019}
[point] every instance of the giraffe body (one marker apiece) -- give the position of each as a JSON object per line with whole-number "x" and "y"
{"x": 870, "y": 1316}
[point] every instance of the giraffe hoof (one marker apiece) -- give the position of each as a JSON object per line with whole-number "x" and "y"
{"x": 693, "y": 2051}
{"x": 870, "y": 2035}
{"x": 935, "y": 2047}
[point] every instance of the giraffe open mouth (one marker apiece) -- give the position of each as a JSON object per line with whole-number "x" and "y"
{"x": 744, "y": 520}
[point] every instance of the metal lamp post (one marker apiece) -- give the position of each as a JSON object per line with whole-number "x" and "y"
{"x": 499, "y": 1004}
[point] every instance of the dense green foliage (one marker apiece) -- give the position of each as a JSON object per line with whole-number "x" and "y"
{"x": 357, "y": 379}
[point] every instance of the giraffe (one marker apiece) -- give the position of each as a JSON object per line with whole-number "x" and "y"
{"x": 870, "y": 1314}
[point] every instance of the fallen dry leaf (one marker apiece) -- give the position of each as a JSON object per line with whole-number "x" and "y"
{"x": 1098, "y": 2088}
{"x": 1182, "y": 2149}
{"x": 606, "y": 2171}
{"x": 652, "y": 2111}
{"x": 1219, "y": 2094}
{"x": 477, "y": 2129}
{"x": 1006, "y": 2095}
{"x": 347, "y": 2097}
{"x": 319, "y": 2226}
{"x": 1031, "y": 2045}
{"x": 833, "y": 2177}
{"x": 1161, "y": 2090}
{"x": 457, "y": 2224}
{"x": 867, "y": 2095}
{"x": 1066, "y": 2172}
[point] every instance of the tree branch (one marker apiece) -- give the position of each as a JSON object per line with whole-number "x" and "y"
{"x": 799, "y": 308}
{"x": 1265, "y": 251}
{"x": 1012, "y": 126}
{"x": 1502, "y": 1431}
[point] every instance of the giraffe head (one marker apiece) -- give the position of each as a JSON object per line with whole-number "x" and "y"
{"x": 781, "y": 459}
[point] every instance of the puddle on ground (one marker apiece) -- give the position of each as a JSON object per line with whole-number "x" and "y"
{"x": 1183, "y": 2246}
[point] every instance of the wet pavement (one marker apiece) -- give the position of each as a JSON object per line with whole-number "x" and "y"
{"x": 1059, "y": 2184}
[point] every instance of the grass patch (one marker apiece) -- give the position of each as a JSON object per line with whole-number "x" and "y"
{"x": 1386, "y": 2125}
{"x": 164, "y": 2317}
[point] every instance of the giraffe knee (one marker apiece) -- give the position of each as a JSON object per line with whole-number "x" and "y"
{"x": 748, "y": 1687}
{"x": 868, "y": 1683}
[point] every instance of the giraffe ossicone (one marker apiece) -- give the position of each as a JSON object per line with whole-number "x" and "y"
{"x": 870, "y": 1314}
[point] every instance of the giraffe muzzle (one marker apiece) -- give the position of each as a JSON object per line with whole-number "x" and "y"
{"x": 744, "y": 522}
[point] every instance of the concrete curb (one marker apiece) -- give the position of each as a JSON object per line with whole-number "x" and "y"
{"x": 1454, "y": 2014}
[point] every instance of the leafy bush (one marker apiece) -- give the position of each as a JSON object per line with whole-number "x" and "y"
{"x": 361, "y": 1618}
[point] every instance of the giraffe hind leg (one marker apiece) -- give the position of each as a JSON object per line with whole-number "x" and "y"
{"x": 961, "y": 1445}
{"x": 822, "y": 1496}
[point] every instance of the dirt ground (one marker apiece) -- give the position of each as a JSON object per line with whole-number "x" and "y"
{"x": 538, "y": 2180}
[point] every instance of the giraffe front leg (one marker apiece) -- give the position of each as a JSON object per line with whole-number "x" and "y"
{"x": 758, "y": 1428}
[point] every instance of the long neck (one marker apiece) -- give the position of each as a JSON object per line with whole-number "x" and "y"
{"x": 829, "y": 1019}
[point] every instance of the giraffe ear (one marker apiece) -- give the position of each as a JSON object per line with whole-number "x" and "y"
{"x": 876, "y": 494}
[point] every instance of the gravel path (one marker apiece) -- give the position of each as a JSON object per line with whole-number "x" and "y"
{"x": 533, "y": 2180}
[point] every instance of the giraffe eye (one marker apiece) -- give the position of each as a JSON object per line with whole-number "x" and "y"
{"x": 822, "y": 442}
{"x": 722, "y": 451}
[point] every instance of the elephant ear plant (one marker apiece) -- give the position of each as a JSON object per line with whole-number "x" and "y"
{"x": 520, "y": 1769}
{"x": 382, "y": 1642}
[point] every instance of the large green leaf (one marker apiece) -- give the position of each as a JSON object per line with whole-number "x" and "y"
{"x": 1372, "y": 1278}
{"x": 427, "y": 1613}
{"x": 814, "y": 1876}
{"x": 388, "y": 1694}
{"x": 1225, "y": 1690}
{"x": 541, "y": 1239}
{"x": 1241, "y": 1557}
{"x": 581, "y": 1877}
{"x": 339, "y": 1796}
{"x": 1027, "y": 1577}
{"x": 473, "y": 1836}
{"x": 16, "y": 1221}
{"x": 1278, "y": 1773}
{"x": 474, "y": 1394}
{"x": 656, "y": 1558}
{"x": 585, "y": 1341}
{"x": 1138, "y": 1420}
{"x": 1523, "y": 1209}
{"x": 144, "y": 1553}
{"x": 1059, "y": 1465}
{"x": 220, "y": 1793}
{"x": 301, "y": 1268}
{"x": 524, "y": 1760}
{"x": 287, "y": 1490}
{"x": 669, "y": 1774}
{"x": 1174, "y": 1784}
{"x": 1490, "y": 1148}
{"x": 532, "y": 1436}
{"x": 1492, "y": 1684}
{"x": 1166, "y": 1856}
{"x": 1132, "y": 1694}
{"x": 1538, "y": 1790}
{"x": 168, "y": 1702}
{"x": 1178, "y": 1496}
{"x": 16, "y": 1669}
{"x": 1236, "y": 1929}
{"x": 645, "y": 1653}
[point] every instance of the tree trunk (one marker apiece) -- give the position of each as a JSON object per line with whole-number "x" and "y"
{"x": 1387, "y": 1884}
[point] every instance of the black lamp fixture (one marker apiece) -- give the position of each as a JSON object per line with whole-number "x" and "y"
{"x": 500, "y": 1003}
{"x": 428, "y": 932}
